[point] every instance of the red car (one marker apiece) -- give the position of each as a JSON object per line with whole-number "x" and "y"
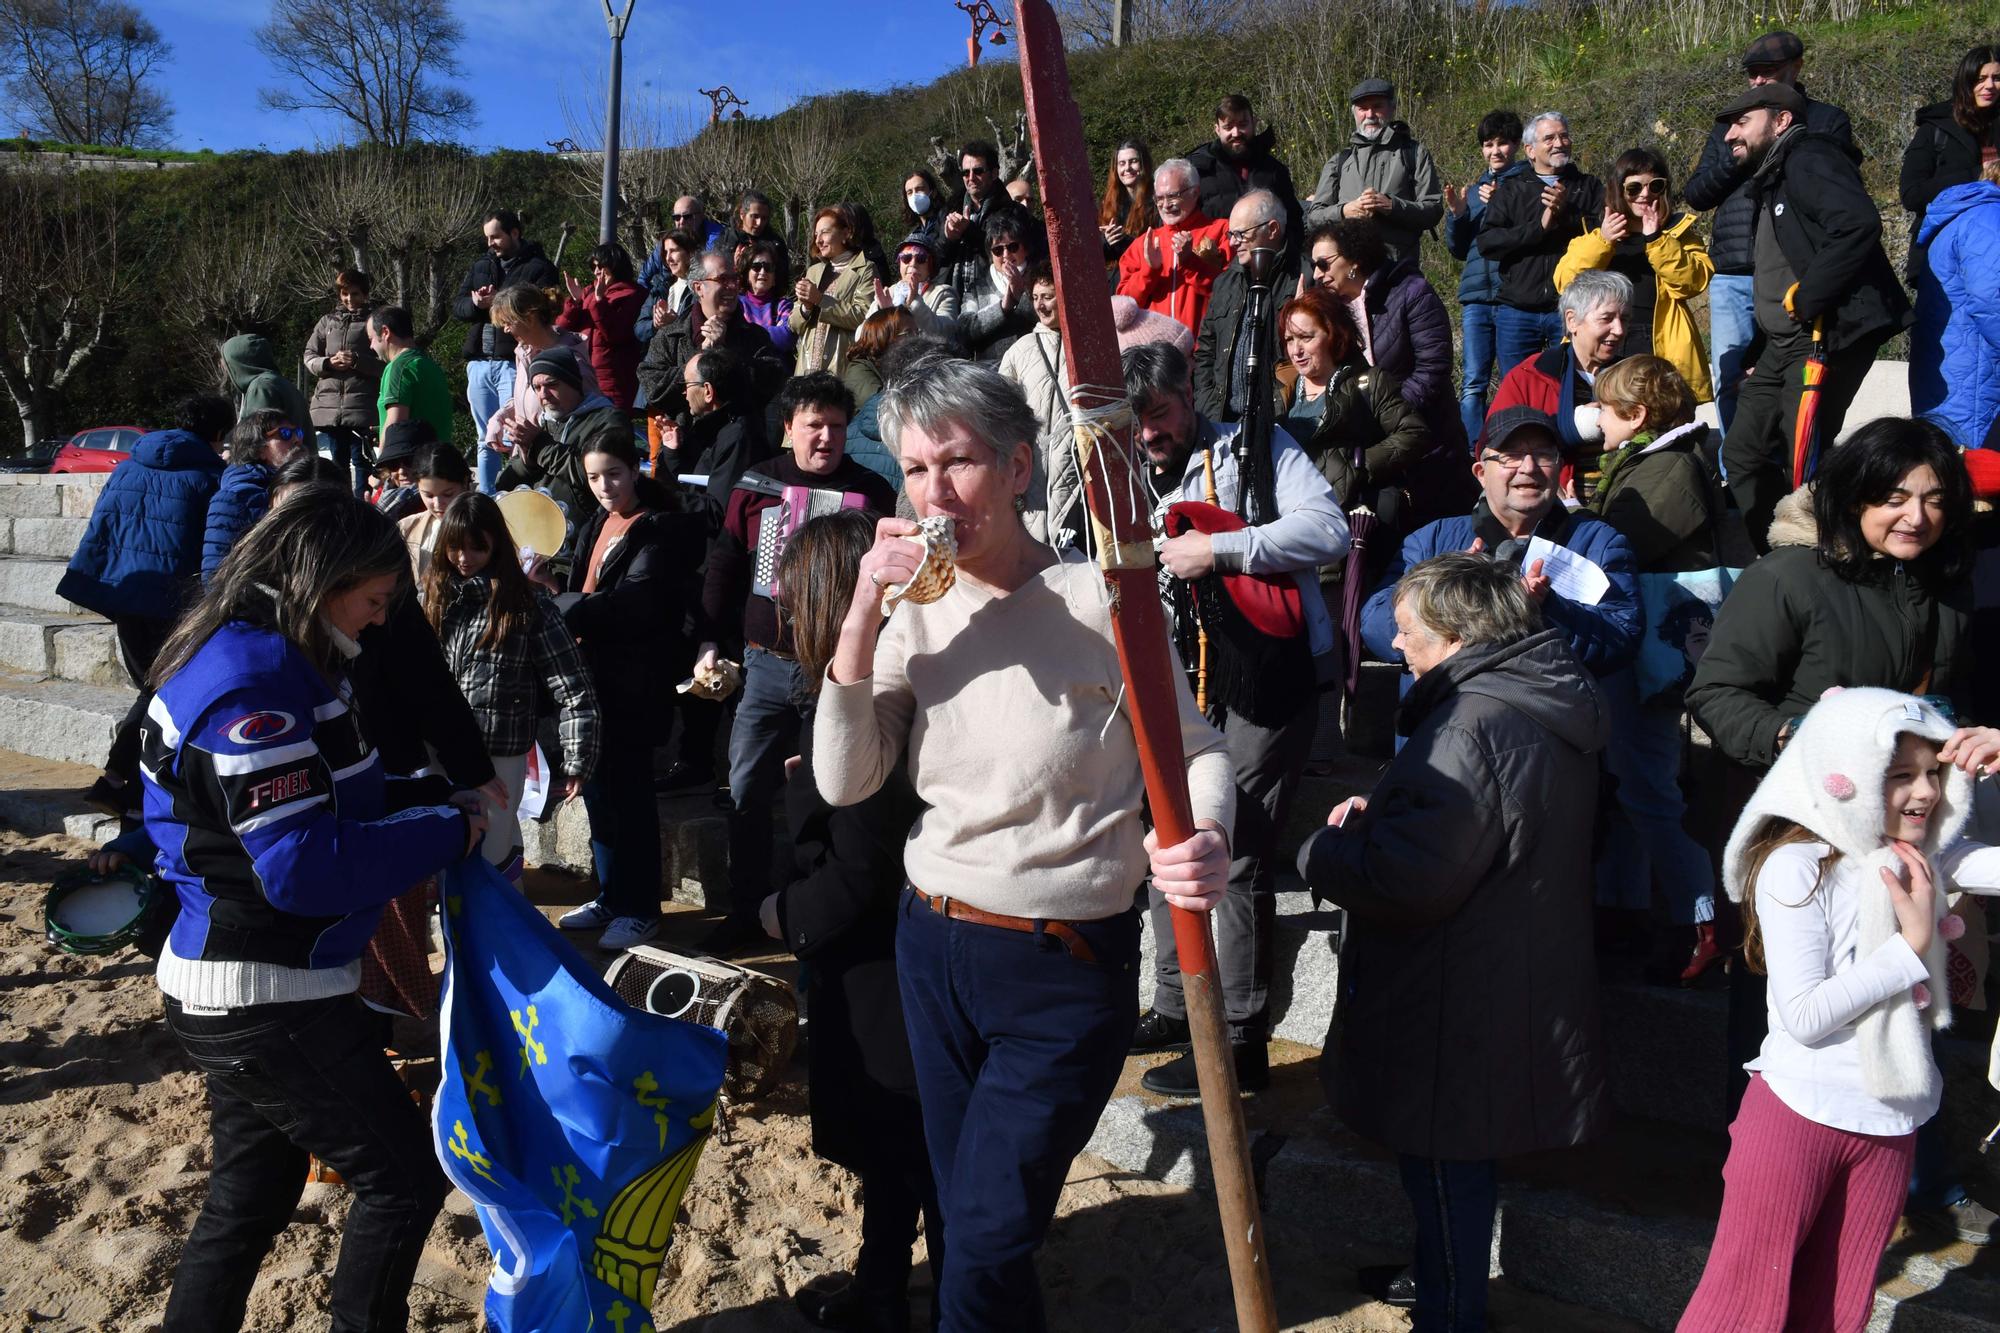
{"x": 97, "y": 450}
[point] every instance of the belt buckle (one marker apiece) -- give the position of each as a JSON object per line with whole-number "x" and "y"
{"x": 941, "y": 904}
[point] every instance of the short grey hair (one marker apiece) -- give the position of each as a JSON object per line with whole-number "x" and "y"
{"x": 1592, "y": 288}
{"x": 1531, "y": 132}
{"x": 1264, "y": 204}
{"x": 1154, "y": 371}
{"x": 1176, "y": 166}
{"x": 1464, "y": 597}
{"x": 938, "y": 394}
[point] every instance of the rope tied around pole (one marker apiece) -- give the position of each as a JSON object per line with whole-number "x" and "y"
{"x": 1101, "y": 421}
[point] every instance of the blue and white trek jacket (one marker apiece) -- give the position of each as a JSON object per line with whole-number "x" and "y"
{"x": 270, "y": 810}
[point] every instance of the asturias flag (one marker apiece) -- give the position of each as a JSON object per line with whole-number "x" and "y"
{"x": 572, "y": 1120}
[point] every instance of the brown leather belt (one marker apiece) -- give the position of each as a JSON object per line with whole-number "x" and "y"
{"x": 958, "y": 910}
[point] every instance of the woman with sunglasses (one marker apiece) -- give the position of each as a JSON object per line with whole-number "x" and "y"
{"x": 767, "y": 277}
{"x": 258, "y": 447}
{"x": 993, "y": 310}
{"x": 604, "y": 311}
{"x": 932, "y": 303}
{"x": 1663, "y": 255}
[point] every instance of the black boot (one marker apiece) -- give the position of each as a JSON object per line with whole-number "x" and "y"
{"x": 1177, "y": 1078}
{"x": 1157, "y": 1032}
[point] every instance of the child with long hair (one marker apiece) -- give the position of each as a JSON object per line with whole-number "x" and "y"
{"x": 503, "y": 637}
{"x": 1832, "y": 863}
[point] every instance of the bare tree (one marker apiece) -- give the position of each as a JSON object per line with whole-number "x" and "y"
{"x": 402, "y": 216}
{"x": 1088, "y": 22}
{"x": 649, "y": 170}
{"x": 79, "y": 71}
{"x": 370, "y": 63}
{"x": 718, "y": 163}
{"x": 59, "y": 282}
{"x": 810, "y": 148}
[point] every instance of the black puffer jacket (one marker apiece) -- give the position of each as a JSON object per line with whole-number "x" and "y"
{"x": 529, "y": 264}
{"x": 1831, "y": 233}
{"x": 1513, "y": 237}
{"x": 1467, "y": 1026}
{"x": 1224, "y": 180}
{"x": 1215, "y": 340}
{"x": 1719, "y": 184}
{"x": 1793, "y": 628}
{"x": 1942, "y": 153}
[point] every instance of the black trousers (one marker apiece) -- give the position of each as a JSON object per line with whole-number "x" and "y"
{"x": 1757, "y": 452}
{"x": 140, "y": 639}
{"x": 284, "y": 1081}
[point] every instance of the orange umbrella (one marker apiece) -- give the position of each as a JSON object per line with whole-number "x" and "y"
{"x": 1805, "y": 435}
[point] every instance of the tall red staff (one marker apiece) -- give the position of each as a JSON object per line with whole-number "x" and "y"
{"x": 1121, "y": 516}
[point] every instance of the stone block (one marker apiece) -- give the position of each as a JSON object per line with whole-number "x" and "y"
{"x": 29, "y": 497}
{"x": 31, "y": 583}
{"x": 54, "y": 538}
{"x": 57, "y": 719}
{"x": 79, "y": 494}
{"x": 25, "y": 645}
{"x": 88, "y": 653}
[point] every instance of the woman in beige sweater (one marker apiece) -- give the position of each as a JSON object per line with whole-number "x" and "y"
{"x": 1017, "y": 942}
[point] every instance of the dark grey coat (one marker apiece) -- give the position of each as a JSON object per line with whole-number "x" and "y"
{"x": 1467, "y": 1027}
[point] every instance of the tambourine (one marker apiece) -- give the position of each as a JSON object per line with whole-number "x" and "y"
{"x": 534, "y": 521}
{"x": 90, "y": 914}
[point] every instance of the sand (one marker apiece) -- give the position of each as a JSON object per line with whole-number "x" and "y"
{"x": 104, "y": 1154}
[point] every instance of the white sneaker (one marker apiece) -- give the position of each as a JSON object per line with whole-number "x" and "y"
{"x": 627, "y": 931}
{"x": 587, "y": 917}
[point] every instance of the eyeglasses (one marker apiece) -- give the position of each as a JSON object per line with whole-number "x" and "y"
{"x": 1652, "y": 187}
{"x": 1239, "y": 237}
{"x": 912, "y": 256}
{"x": 974, "y": 171}
{"x": 1514, "y": 462}
{"x": 1322, "y": 265}
{"x": 697, "y": 384}
{"x": 683, "y": 217}
{"x": 1009, "y": 248}
{"x": 761, "y": 266}
{"x": 288, "y": 434}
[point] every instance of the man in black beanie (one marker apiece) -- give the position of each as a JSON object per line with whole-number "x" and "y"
{"x": 549, "y": 455}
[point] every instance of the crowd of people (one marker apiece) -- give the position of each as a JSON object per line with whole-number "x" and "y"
{"x": 347, "y": 662}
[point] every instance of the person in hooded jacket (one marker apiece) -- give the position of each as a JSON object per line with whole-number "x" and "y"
{"x": 258, "y": 447}
{"x": 603, "y": 311}
{"x": 1241, "y": 158}
{"x": 1499, "y": 135}
{"x": 1954, "y": 142}
{"x": 140, "y": 559}
{"x": 1467, "y": 1028}
{"x": 1956, "y": 384}
{"x": 1727, "y": 187}
{"x": 1661, "y": 253}
{"x": 252, "y": 364}
{"x": 347, "y": 376}
{"x": 1383, "y": 174}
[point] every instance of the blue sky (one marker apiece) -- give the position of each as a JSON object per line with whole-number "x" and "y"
{"x": 517, "y": 52}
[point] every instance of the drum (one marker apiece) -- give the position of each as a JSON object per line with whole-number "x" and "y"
{"x": 92, "y": 914}
{"x": 534, "y": 521}
{"x": 758, "y": 1013}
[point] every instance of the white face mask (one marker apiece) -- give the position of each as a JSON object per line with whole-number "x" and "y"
{"x": 920, "y": 202}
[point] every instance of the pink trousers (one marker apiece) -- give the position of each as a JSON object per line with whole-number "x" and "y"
{"x": 1806, "y": 1213}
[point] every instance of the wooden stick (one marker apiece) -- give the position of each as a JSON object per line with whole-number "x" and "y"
{"x": 1113, "y": 485}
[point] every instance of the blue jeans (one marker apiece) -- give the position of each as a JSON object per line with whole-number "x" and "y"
{"x": 1732, "y": 325}
{"x": 1017, "y": 1045}
{"x": 350, "y": 452}
{"x": 1646, "y": 845}
{"x": 285, "y": 1081}
{"x": 1519, "y": 334}
{"x": 1479, "y": 356}
{"x": 487, "y": 385}
{"x": 625, "y": 829}
{"x": 766, "y": 733}
{"x": 1454, "y": 1203}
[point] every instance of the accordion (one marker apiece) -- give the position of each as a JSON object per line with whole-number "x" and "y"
{"x": 796, "y": 505}
{"x": 757, "y": 1013}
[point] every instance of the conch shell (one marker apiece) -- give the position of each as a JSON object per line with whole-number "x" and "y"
{"x": 938, "y": 571}
{"x": 717, "y": 682}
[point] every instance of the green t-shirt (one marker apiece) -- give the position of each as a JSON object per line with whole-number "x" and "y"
{"x": 417, "y": 382}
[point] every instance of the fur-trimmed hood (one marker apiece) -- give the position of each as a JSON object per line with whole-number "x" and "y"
{"x": 1792, "y": 523}
{"x": 1828, "y": 780}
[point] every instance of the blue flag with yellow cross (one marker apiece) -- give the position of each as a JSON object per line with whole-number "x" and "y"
{"x": 573, "y": 1120}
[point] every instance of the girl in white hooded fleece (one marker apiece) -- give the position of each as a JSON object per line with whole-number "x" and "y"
{"x": 1832, "y": 863}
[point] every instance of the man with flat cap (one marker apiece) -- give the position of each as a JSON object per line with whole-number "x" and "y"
{"x": 1817, "y": 262}
{"x": 1383, "y": 173}
{"x": 1720, "y": 184}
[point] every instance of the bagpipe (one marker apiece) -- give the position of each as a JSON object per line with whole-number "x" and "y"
{"x": 1245, "y": 634}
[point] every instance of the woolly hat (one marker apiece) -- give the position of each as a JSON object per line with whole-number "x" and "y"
{"x": 557, "y": 362}
{"x": 1137, "y": 325}
{"x": 1828, "y": 780}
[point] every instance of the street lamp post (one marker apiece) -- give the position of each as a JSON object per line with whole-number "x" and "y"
{"x": 607, "y": 215}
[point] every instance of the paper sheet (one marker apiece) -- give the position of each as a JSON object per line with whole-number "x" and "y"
{"x": 1575, "y": 577}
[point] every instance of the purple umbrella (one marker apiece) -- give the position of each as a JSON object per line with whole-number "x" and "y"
{"x": 1361, "y": 525}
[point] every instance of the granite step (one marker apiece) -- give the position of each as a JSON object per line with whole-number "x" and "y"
{"x": 60, "y": 719}
{"x": 29, "y": 582}
{"x": 44, "y": 796}
{"x": 82, "y": 648}
{"x": 54, "y": 536}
